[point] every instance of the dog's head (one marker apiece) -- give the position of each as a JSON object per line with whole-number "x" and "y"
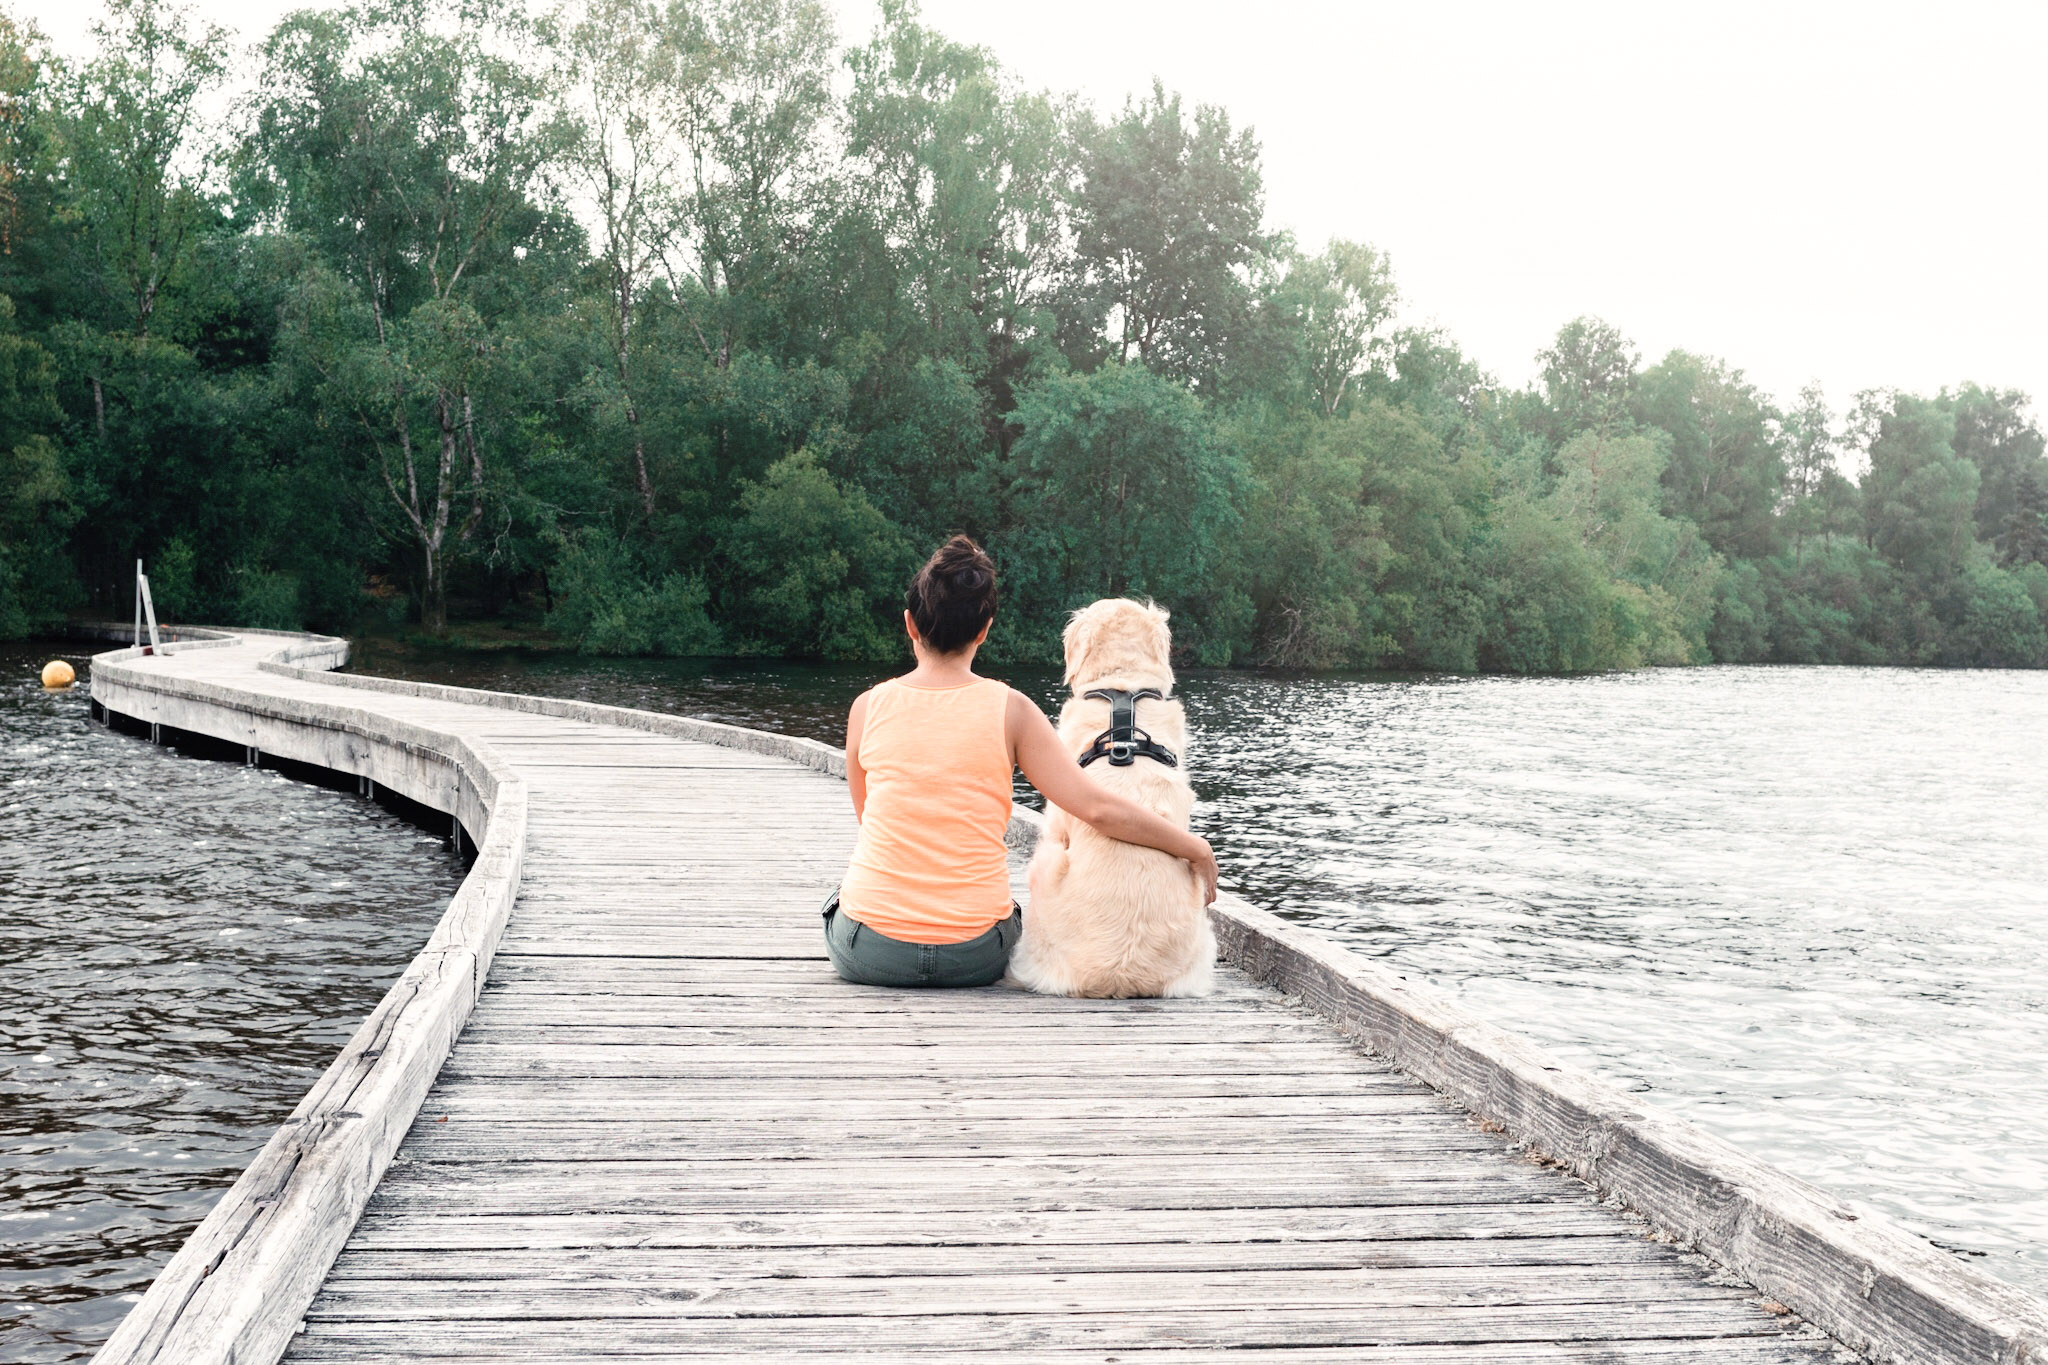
{"x": 1117, "y": 638}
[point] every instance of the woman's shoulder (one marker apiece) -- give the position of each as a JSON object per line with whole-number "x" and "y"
{"x": 865, "y": 703}
{"x": 1018, "y": 707}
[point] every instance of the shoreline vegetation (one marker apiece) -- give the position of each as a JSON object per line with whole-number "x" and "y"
{"x": 685, "y": 328}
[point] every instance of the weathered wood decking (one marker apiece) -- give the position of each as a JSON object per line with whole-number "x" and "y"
{"x": 669, "y": 1128}
{"x": 668, "y": 1131}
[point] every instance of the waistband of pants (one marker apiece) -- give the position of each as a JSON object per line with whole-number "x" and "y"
{"x": 831, "y": 908}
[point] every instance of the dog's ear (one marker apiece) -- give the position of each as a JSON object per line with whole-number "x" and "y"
{"x": 1083, "y": 629}
{"x": 1161, "y": 638}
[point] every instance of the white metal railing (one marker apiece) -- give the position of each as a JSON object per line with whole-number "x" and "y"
{"x": 145, "y": 609}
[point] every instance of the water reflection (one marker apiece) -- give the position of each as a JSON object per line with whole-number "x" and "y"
{"x": 184, "y": 945}
{"x": 1802, "y": 907}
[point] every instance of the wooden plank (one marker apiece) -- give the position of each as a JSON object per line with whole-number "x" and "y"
{"x": 1591, "y": 1256}
{"x": 502, "y": 1138}
{"x": 945, "y": 1089}
{"x": 866, "y": 1175}
{"x": 531, "y": 1182}
{"x": 566, "y": 1188}
{"x": 744, "y": 952}
{"x": 1692, "y": 1351}
{"x": 1066, "y": 1058}
{"x": 645, "y": 1292}
{"x": 600, "y": 976}
{"x": 516, "y": 975}
{"x": 784, "y": 1035}
{"x": 717, "y": 996}
{"x": 661, "y": 1104}
{"x": 846, "y": 1010}
{"x": 1129, "y": 1328}
{"x": 1189, "y": 1229}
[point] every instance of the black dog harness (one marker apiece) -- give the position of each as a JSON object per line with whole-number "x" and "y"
{"x": 1123, "y": 742}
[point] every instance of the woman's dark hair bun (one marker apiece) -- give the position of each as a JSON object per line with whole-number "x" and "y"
{"x": 953, "y": 595}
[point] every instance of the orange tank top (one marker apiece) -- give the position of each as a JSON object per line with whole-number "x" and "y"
{"x": 930, "y": 865}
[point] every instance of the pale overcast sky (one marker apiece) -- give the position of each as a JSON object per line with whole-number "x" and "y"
{"x": 1851, "y": 192}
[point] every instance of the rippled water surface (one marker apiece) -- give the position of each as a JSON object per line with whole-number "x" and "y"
{"x": 184, "y": 945}
{"x": 1805, "y": 908}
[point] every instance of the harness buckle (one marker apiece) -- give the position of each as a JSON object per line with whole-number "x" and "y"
{"x": 1123, "y": 752}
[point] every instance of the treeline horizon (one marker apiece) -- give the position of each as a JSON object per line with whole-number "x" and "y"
{"x": 677, "y": 327}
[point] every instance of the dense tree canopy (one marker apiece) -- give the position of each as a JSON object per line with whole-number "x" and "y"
{"x": 677, "y": 326}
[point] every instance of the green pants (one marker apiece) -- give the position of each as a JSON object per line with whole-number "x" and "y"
{"x": 863, "y": 955}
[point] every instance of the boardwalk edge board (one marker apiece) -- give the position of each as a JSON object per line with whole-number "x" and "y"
{"x": 238, "y": 1288}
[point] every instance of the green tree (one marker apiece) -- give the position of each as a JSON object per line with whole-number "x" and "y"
{"x": 962, "y": 179}
{"x": 405, "y": 144}
{"x": 958, "y": 208}
{"x": 1810, "y": 457}
{"x": 623, "y": 81}
{"x": 1427, "y": 374}
{"x": 22, "y": 133}
{"x": 1726, "y": 470}
{"x": 1328, "y": 323}
{"x": 1995, "y": 623}
{"x": 645, "y": 319}
{"x": 818, "y": 570}
{"x": 1919, "y": 499}
{"x": 2025, "y": 537}
{"x": 1609, "y": 489}
{"x": 610, "y": 604}
{"x": 1995, "y": 433}
{"x": 1311, "y": 548}
{"x": 1167, "y": 224}
{"x": 35, "y": 495}
{"x": 130, "y": 140}
{"x": 1550, "y": 605}
{"x": 1838, "y": 508}
{"x": 926, "y": 452}
{"x": 756, "y": 77}
{"x": 1121, "y": 488}
{"x": 1589, "y": 378}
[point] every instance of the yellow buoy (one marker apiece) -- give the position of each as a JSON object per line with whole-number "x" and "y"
{"x": 57, "y": 673}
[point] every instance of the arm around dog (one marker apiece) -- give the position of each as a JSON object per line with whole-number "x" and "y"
{"x": 1036, "y": 747}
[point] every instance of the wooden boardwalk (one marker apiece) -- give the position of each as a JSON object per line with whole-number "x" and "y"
{"x": 669, "y": 1132}
{"x": 669, "y": 1128}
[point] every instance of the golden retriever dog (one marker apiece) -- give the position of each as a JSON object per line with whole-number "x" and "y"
{"x": 1110, "y": 919}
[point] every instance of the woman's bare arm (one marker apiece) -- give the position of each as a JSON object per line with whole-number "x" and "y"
{"x": 1037, "y": 749}
{"x": 856, "y": 776}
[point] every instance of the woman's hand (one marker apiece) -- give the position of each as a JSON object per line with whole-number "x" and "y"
{"x": 1205, "y": 869}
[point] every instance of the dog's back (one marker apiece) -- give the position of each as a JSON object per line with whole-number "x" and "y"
{"x": 1107, "y": 918}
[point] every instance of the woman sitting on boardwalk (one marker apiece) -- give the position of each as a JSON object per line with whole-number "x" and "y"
{"x": 929, "y": 757}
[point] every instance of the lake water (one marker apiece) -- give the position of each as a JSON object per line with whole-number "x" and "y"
{"x": 184, "y": 946}
{"x": 1803, "y": 908}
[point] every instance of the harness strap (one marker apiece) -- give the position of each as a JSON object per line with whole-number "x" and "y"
{"x": 1123, "y": 743}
